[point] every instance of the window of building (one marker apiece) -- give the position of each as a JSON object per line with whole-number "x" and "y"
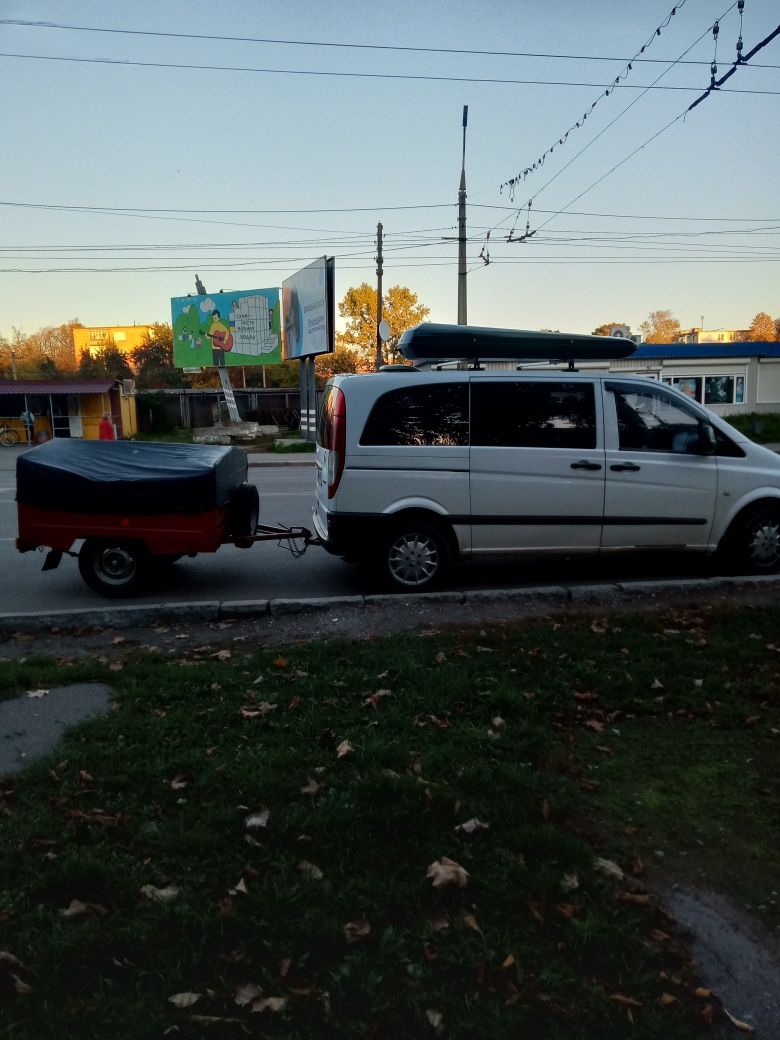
{"x": 432, "y": 415}
{"x": 533, "y": 414}
{"x": 720, "y": 389}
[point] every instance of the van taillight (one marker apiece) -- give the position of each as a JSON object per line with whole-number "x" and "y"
{"x": 337, "y": 442}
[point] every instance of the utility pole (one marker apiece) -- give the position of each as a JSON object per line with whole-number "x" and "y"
{"x": 462, "y": 319}
{"x": 379, "y": 359}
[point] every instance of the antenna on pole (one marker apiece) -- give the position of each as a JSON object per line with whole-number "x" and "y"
{"x": 462, "y": 320}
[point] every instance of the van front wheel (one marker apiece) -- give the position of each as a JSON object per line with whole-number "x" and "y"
{"x": 414, "y": 557}
{"x": 756, "y": 545}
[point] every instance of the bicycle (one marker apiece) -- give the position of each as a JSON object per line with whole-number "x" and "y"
{"x": 8, "y": 436}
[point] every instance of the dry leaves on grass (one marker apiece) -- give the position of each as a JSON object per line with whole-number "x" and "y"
{"x": 446, "y": 873}
{"x": 257, "y": 821}
{"x": 344, "y": 749}
{"x": 246, "y": 994}
{"x": 312, "y": 788}
{"x": 743, "y": 1027}
{"x": 223, "y": 655}
{"x": 435, "y": 1020}
{"x": 37, "y": 694}
{"x": 608, "y": 868}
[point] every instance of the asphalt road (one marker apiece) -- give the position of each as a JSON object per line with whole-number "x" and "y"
{"x": 268, "y": 571}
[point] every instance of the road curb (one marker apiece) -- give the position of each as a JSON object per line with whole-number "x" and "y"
{"x": 114, "y": 616}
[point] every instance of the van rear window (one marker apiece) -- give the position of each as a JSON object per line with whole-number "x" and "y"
{"x": 533, "y": 414}
{"x": 420, "y": 415}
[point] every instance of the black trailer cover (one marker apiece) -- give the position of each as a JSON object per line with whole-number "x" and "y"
{"x": 128, "y": 477}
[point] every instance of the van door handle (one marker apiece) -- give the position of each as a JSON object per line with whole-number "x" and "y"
{"x": 584, "y": 464}
{"x": 630, "y": 467}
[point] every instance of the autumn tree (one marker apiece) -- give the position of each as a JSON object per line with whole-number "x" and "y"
{"x": 341, "y": 362}
{"x": 606, "y": 329}
{"x": 660, "y": 327}
{"x": 762, "y": 329}
{"x": 400, "y": 309}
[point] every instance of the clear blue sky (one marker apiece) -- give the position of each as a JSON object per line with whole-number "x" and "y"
{"x": 85, "y": 134}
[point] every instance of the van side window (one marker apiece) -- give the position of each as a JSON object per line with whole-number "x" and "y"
{"x": 651, "y": 420}
{"x": 533, "y": 414}
{"x": 420, "y": 415}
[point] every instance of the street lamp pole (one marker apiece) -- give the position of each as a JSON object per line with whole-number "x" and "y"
{"x": 462, "y": 229}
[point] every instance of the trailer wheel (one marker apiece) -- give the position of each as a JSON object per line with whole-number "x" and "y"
{"x": 112, "y": 568}
{"x": 243, "y": 514}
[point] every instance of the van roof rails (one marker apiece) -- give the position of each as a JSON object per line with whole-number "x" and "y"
{"x": 431, "y": 342}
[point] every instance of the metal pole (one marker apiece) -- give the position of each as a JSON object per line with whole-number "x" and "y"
{"x": 462, "y": 318}
{"x": 379, "y": 359}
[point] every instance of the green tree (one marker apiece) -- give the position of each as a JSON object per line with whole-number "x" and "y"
{"x": 154, "y": 361}
{"x": 108, "y": 363}
{"x": 400, "y": 309}
{"x": 660, "y": 327}
{"x": 762, "y": 329}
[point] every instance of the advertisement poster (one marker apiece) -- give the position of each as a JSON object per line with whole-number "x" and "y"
{"x": 240, "y": 327}
{"x": 307, "y": 299}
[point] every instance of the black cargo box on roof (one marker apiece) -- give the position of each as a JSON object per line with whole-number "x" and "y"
{"x": 127, "y": 477}
{"x": 433, "y": 342}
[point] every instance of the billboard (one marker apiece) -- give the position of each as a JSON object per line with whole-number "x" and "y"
{"x": 308, "y": 304}
{"x": 229, "y": 329}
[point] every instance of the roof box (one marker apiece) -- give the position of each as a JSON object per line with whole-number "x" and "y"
{"x": 432, "y": 342}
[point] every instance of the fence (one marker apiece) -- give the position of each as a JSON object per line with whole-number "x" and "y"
{"x": 185, "y": 409}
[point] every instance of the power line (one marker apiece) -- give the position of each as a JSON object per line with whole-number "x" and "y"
{"x": 210, "y": 38}
{"x": 127, "y": 63}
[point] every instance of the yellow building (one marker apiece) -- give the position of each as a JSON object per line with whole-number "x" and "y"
{"x": 68, "y": 407}
{"x": 126, "y": 339}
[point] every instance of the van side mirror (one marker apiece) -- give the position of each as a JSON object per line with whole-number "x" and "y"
{"x": 707, "y": 440}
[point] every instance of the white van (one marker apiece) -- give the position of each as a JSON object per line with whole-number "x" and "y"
{"x": 417, "y": 466}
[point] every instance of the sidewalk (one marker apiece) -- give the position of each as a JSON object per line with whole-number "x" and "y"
{"x": 271, "y": 458}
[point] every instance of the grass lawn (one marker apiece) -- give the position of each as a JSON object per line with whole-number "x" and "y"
{"x": 285, "y": 807}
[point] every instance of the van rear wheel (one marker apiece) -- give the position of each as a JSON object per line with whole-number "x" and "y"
{"x": 414, "y": 557}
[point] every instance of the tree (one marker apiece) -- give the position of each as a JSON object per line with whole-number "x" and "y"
{"x": 660, "y": 327}
{"x": 400, "y": 309}
{"x": 108, "y": 363}
{"x": 154, "y": 361}
{"x": 762, "y": 329}
{"x": 342, "y": 361}
{"x": 606, "y": 330}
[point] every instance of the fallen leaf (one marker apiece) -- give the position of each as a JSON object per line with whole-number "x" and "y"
{"x": 609, "y": 869}
{"x": 310, "y": 870}
{"x": 160, "y": 895}
{"x": 246, "y": 994}
{"x": 570, "y": 882}
{"x": 497, "y": 722}
{"x": 470, "y": 921}
{"x": 281, "y": 662}
{"x": 239, "y": 889}
{"x": 472, "y": 826}
{"x": 707, "y": 1014}
{"x": 7, "y": 960}
{"x": 595, "y": 725}
{"x": 435, "y": 1020}
{"x": 446, "y": 872}
{"x": 438, "y": 924}
{"x": 179, "y": 782}
{"x": 21, "y": 988}
{"x": 354, "y": 931}
{"x": 223, "y": 655}
{"x": 35, "y": 694}
{"x": 344, "y": 749}
{"x": 566, "y": 909}
{"x": 117, "y": 640}
{"x": 628, "y": 1002}
{"x": 585, "y": 696}
{"x": 270, "y": 1004}
{"x": 656, "y": 685}
{"x": 184, "y": 1000}
{"x": 743, "y": 1027}
{"x": 666, "y": 999}
{"x": 508, "y": 961}
{"x": 78, "y": 909}
{"x": 635, "y": 898}
{"x": 702, "y": 993}
{"x": 257, "y": 821}
{"x": 660, "y": 937}
{"x": 441, "y": 657}
{"x": 312, "y": 788}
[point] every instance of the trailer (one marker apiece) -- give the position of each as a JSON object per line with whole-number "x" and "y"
{"x": 136, "y": 506}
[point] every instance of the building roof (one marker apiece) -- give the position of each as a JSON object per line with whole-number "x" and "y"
{"x": 693, "y": 351}
{"x": 60, "y": 386}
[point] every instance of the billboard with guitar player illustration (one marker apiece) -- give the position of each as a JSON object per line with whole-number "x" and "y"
{"x": 226, "y": 329}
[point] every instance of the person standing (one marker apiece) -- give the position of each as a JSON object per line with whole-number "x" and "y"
{"x": 106, "y": 429}
{"x": 28, "y": 418}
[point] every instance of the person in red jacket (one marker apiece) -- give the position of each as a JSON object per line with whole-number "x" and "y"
{"x": 106, "y": 429}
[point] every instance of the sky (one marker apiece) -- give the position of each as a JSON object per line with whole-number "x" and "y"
{"x": 121, "y": 179}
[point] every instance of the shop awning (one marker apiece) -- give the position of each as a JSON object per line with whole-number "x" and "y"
{"x": 60, "y": 387}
